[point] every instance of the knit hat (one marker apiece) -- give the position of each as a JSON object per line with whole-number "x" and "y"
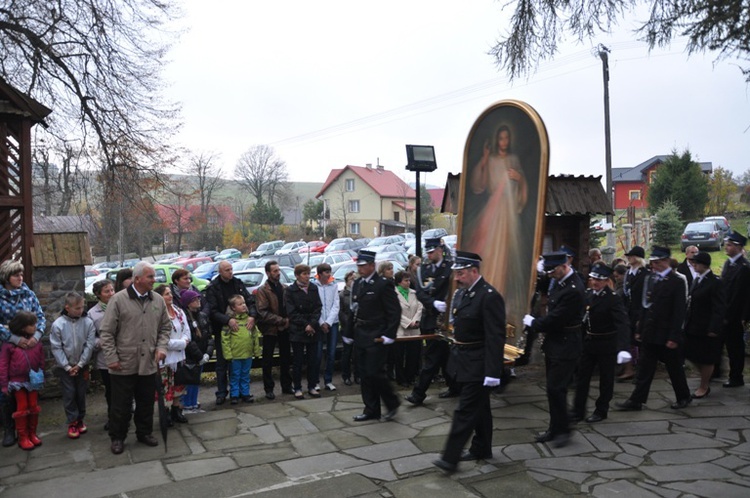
{"x": 188, "y": 296}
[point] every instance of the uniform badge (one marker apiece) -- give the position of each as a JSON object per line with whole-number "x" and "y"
{"x": 471, "y": 294}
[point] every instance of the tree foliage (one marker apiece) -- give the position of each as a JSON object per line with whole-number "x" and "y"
{"x": 425, "y": 206}
{"x": 262, "y": 173}
{"x": 97, "y": 64}
{"x": 721, "y": 187}
{"x": 538, "y": 26}
{"x": 265, "y": 214}
{"x": 312, "y": 211}
{"x": 667, "y": 225}
{"x": 680, "y": 180}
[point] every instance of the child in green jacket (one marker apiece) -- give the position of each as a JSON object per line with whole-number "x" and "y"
{"x": 239, "y": 348}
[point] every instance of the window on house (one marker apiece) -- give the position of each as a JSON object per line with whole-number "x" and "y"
{"x": 350, "y": 185}
{"x": 635, "y": 195}
{"x": 651, "y": 176}
{"x": 213, "y": 219}
{"x": 354, "y": 228}
{"x": 354, "y": 206}
{"x": 396, "y": 215}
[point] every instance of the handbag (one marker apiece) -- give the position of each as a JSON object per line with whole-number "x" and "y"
{"x": 36, "y": 377}
{"x": 187, "y": 374}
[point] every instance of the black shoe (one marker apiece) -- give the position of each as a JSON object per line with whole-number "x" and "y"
{"x": 448, "y": 468}
{"x": 468, "y": 456}
{"x": 522, "y": 360}
{"x": 357, "y": 380}
{"x": 270, "y": 395}
{"x": 347, "y": 381}
{"x": 177, "y": 415}
{"x": 683, "y": 403}
{"x": 148, "y": 440}
{"x": 561, "y": 440}
{"x": 701, "y": 396}
{"x": 248, "y": 399}
{"x": 390, "y": 415}
{"x": 220, "y": 400}
{"x": 365, "y": 417}
{"x": 448, "y": 394}
{"x": 629, "y": 406}
{"x": 414, "y": 399}
{"x": 544, "y": 437}
{"x": 595, "y": 417}
{"x": 233, "y": 401}
{"x": 117, "y": 446}
{"x": 287, "y": 390}
{"x": 734, "y": 383}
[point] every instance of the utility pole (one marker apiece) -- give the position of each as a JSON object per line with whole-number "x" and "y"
{"x": 604, "y": 55}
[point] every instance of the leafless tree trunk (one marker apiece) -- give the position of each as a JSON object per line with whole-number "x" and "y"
{"x": 262, "y": 173}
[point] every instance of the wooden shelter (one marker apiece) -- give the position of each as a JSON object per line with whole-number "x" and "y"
{"x": 18, "y": 114}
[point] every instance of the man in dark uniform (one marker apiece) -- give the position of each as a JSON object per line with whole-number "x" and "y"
{"x": 660, "y": 332}
{"x": 607, "y": 332}
{"x": 476, "y": 361}
{"x": 735, "y": 278}
{"x": 432, "y": 288}
{"x": 633, "y": 292}
{"x": 376, "y": 316}
{"x": 686, "y": 267}
{"x": 561, "y": 327}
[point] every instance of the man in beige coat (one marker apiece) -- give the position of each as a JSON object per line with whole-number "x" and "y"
{"x": 134, "y": 336}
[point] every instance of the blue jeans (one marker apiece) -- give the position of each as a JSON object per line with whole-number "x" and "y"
{"x": 239, "y": 379}
{"x": 190, "y": 398}
{"x": 330, "y": 340}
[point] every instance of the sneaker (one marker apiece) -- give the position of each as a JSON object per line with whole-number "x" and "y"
{"x": 330, "y": 387}
{"x": 316, "y": 388}
{"x": 73, "y": 431}
{"x": 82, "y": 429}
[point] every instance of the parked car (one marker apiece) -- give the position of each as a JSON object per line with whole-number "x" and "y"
{"x": 129, "y": 263}
{"x": 255, "y": 277}
{"x": 266, "y": 249}
{"x": 228, "y": 254}
{"x": 722, "y": 222}
{"x": 702, "y": 234}
{"x": 344, "y": 245}
{"x": 399, "y": 256}
{"x": 89, "y": 271}
{"x": 289, "y": 272}
{"x": 207, "y": 254}
{"x": 341, "y": 239}
{"x": 207, "y": 271}
{"x": 314, "y": 246}
{"x": 246, "y": 264}
{"x": 164, "y": 276}
{"x": 290, "y": 247}
{"x": 290, "y": 260}
{"x": 331, "y": 259}
{"x": 190, "y": 264}
{"x": 384, "y": 241}
{"x": 105, "y": 265}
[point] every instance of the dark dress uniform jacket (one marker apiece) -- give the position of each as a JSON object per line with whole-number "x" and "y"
{"x": 706, "y": 307}
{"x": 607, "y": 327}
{"x": 736, "y": 281}
{"x": 433, "y": 286}
{"x": 479, "y": 318}
{"x": 633, "y": 288}
{"x": 378, "y": 312}
{"x": 663, "y": 320}
{"x": 562, "y": 323}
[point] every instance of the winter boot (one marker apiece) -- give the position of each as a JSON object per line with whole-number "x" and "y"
{"x": 22, "y": 427}
{"x": 33, "y": 423}
{"x": 9, "y": 438}
{"x": 177, "y": 415}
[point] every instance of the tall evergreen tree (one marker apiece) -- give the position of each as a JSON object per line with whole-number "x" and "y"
{"x": 680, "y": 180}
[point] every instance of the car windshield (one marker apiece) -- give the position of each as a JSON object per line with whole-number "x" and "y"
{"x": 342, "y": 270}
{"x": 380, "y": 241}
{"x": 251, "y": 279}
{"x": 263, "y": 247}
{"x": 315, "y": 260}
{"x": 289, "y": 245}
{"x": 700, "y": 227}
{"x": 204, "y": 268}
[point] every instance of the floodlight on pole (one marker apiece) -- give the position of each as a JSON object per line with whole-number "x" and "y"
{"x": 420, "y": 158}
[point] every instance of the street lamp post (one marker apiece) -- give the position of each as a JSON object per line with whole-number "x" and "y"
{"x": 420, "y": 158}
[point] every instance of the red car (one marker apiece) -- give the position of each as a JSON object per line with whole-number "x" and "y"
{"x": 314, "y": 246}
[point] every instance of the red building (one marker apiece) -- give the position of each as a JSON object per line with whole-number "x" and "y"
{"x": 631, "y": 184}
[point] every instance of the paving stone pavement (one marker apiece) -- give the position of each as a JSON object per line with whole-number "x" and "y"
{"x": 313, "y": 448}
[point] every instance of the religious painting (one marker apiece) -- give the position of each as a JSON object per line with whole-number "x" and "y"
{"x": 502, "y": 200}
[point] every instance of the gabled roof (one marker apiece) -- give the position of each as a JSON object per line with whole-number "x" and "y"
{"x": 190, "y": 216}
{"x": 636, "y": 173}
{"x": 64, "y": 224}
{"x": 384, "y": 182}
{"x": 436, "y": 196}
{"x": 13, "y": 101}
{"x": 404, "y": 206}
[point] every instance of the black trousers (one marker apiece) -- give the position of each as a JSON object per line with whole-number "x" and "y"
{"x": 435, "y": 357}
{"x": 305, "y": 353}
{"x": 407, "y": 355}
{"x": 589, "y": 361}
{"x": 651, "y": 354}
{"x": 285, "y": 361}
{"x": 125, "y": 388}
{"x": 472, "y": 416}
{"x": 559, "y": 375}
{"x": 374, "y": 381}
{"x": 734, "y": 338}
{"x": 221, "y": 369}
{"x": 107, "y": 381}
{"x": 349, "y": 362}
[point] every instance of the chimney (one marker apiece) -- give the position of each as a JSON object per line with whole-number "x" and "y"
{"x": 368, "y": 165}
{"x": 381, "y": 167}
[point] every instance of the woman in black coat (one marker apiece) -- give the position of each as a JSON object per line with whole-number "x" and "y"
{"x": 303, "y": 307}
{"x": 633, "y": 292}
{"x": 706, "y": 307}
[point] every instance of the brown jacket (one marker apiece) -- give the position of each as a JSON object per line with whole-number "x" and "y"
{"x": 132, "y": 330}
{"x": 270, "y": 321}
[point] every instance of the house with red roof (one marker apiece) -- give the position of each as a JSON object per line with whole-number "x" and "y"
{"x": 368, "y": 201}
{"x": 180, "y": 222}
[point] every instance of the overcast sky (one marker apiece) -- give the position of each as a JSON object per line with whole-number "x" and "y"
{"x": 333, "y": 83}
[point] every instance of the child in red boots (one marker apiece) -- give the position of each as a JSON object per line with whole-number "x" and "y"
{"x": 15, "y": 365}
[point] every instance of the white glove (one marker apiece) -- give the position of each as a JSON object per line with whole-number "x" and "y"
{"x": 440, "y": 306}
{"x": 528, "y": 320}
{"x": 387, "y": 340}
{"x": 623, "y": 357}
{"x": 347, "y": 340}
{"x": 491, "y": 382}
{"x": 540, "y": 265}
{"x": 204, "y": 360}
